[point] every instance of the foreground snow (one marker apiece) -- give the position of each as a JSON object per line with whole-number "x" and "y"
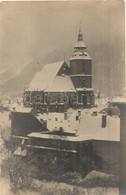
{"x": 53, "y": 188}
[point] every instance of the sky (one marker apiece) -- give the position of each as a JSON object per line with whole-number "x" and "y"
{"x": 32, "y": 29}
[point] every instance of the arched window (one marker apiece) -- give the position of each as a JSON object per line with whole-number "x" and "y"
{"x": 27, "y": 98}
{"x": 85, "y": 99}
{"x": 38, "y": 98}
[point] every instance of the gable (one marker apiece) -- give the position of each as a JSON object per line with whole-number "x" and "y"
{"x": 65, "y": 69}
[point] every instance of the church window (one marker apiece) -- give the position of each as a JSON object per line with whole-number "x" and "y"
{"x": 64, "y": 69}
{"x": 45, "y": 98}
{"x": 74, "y": 99}
{"x": 37, "y": 98}
{"x": 53, "y": 99}
{"x": 27, "y": 98}
{"x": 64, "y": 98}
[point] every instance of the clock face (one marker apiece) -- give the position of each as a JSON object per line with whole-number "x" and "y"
{"x": 83, "y": 82}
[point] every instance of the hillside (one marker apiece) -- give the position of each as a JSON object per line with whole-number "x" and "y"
{"x": 15, "y": 83}
{"x": 107, "y": 79}
{"x": 49, "y": 30}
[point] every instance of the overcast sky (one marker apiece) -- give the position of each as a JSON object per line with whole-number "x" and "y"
{"x": 32, "y": 29}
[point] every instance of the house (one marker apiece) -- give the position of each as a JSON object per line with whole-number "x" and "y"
{"x": 88, "y": 138}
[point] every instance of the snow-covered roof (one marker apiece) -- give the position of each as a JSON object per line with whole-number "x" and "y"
{"x": 45, "y": 77}
{"x": 84, "y": 89}
{"x": 91, "y": 126}
{"x": 61, "y": 83}
{"x": 119, "y": 100}
{"x": 87, "y": 128}
{"x": 22, "y": 109}
{"x": 56, "y": 137}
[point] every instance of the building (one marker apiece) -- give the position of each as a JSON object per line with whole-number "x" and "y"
{"x": 59, "y": 86}
{"x": 121, "y": 103}
{"x": 59, "y": 93}
{"x": 86, "y": 136}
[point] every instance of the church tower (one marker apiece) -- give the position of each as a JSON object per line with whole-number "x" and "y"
{"x": 81, "y": 72}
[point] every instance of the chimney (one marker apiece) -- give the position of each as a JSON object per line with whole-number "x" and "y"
{"x": 65, "y": 115}
{"x": 79, "y": 112}
{"x": 104, "y": 121}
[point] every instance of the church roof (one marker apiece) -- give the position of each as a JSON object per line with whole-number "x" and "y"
{"x": 61, "y": 83}
{"x": 45, "y": 77}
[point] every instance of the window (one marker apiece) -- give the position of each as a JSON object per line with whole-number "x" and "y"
{"x": 84, "y": 68}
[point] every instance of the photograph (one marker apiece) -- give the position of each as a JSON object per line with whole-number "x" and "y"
{"x": 62, "y": 97}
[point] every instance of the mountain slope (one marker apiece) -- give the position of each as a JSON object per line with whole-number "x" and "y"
{"x": 108, "y": 69}
{"x": 16, "y": 84}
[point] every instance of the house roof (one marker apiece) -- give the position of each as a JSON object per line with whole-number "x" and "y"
{"x": 92, "y": 126}
{"x": 61, "y": 83}
{"x": 57, "y": 137}
{"x": 87, "y": 128}
{"x": 23, "y": 109}
{"x": 119, "y": 100}
{"x": 45, "y": 77}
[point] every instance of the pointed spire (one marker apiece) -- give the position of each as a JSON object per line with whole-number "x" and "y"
{"x": 80, "y": 46}
{"x": 80, "y": 35}
{"x": 80, "y": 28}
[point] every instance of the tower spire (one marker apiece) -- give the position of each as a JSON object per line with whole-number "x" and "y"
{"x": 80, "y": 35}
{"x": 80, "y": 46}
{"x": 80, "y": 28}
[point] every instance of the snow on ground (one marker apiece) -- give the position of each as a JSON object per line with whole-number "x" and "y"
{"x": 43, "y": 186}
{"x": 4, "y": 120}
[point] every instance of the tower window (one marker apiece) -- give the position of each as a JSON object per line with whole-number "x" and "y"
{"x": 84, "y": 68}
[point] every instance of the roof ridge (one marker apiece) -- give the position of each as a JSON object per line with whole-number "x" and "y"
{"x": 54, "y": 62}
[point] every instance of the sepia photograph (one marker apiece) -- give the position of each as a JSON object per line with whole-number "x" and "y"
{"x": 62, "y": 98}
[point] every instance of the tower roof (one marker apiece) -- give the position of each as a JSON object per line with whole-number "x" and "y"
{"x": 80, "y": 42}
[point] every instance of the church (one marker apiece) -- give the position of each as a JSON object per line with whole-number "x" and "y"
{"x": 87, "y": 136}
{"x": 59, "y": 86}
